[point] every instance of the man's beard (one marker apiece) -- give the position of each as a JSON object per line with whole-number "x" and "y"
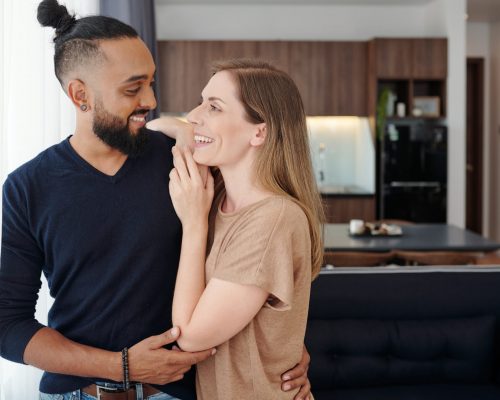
{"x": 115, "y": 133}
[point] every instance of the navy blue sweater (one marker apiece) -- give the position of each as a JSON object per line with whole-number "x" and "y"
{"x": 109, "y": 247}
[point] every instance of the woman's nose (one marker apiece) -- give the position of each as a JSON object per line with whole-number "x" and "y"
{"x": 193, "y": 116}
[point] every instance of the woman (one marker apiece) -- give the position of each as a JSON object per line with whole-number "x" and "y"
{"x": 249, "y": 296}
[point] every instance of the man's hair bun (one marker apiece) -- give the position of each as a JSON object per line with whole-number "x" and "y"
{"x": 51, "y": 13}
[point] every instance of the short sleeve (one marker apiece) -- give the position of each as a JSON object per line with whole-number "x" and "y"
{"x": 260, "y": 252}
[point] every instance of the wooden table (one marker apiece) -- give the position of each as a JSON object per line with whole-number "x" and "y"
{"x": 417, "y": 237}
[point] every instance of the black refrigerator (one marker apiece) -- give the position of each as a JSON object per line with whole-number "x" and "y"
{"x": 412, "y": 172}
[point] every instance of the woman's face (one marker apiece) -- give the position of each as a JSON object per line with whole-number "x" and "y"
{"x": 223, "y": 135}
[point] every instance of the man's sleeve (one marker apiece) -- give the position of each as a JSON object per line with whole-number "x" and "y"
{"x": 21, "y": 261}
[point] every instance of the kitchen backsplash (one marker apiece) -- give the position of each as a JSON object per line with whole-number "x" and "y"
{"x": 343, "y": 152}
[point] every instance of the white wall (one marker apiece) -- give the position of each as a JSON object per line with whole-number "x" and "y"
{"x": 443, "y": 18}
{"x": 291, "y": 22}
{"x": 454, "y": 21}
{"x": 478, "y": 46}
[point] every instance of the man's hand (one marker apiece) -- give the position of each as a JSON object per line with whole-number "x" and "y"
{"x": 149, "y": 362}
{"x": 297, "y": 378}
{"x": 175, "y": 128}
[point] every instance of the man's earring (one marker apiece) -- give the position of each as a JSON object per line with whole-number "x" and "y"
{"x": 83, "y": 107}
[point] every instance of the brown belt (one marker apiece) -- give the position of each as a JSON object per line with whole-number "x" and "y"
{"x": 103, "y": 393}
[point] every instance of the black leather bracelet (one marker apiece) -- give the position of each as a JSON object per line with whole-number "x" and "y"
{"x": 126, "y": 381}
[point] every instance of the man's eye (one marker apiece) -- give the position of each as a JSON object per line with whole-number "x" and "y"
{"x": 133, "y": 91}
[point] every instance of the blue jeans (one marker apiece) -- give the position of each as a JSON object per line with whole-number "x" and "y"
{"x": 79, "y": 395}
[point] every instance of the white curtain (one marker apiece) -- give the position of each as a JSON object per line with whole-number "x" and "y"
{"x": 34, "y": 114}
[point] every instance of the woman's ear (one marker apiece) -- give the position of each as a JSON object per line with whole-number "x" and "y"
{"x": 77, "y": 94}
{"x": 259, "y": 136}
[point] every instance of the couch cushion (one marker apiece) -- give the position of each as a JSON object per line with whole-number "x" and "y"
{"x": 421, "y": 392}
{"x": 355, "y": 353}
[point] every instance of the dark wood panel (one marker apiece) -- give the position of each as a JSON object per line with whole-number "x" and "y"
{"x": 430, "y": 58}
{"x": 185, "y": 69}
{"x": 299, "y": 68}
{"x": 347, "y": 78}
{"x": 331, "y": 76}
{"x": 275, "y": 52}
{"x": 393, "y": 58}
{"x": 342, "y": 209}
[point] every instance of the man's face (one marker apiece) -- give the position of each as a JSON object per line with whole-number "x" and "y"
{"x": 117, "y": 133}
{"x": 122, "y": 95}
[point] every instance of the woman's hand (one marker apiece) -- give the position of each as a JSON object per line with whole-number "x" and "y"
{"x": 191, "y": 195}
{"x": 174, "y": 128}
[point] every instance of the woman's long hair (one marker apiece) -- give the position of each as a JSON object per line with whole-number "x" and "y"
{"x": 283, "y": 165}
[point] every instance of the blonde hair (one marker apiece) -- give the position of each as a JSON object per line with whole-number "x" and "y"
{"x": 283, "y": 165}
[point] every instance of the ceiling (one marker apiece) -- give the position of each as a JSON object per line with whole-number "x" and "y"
{"x": 483, "y": 10}
{"x": 477, "y": 10}
{"x": 303, "y": 2}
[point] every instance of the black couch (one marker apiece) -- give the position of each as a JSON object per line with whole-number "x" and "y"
{"x": 405, "y": 333}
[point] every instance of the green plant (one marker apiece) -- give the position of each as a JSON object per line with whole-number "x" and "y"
{"x": 382, "y": 112}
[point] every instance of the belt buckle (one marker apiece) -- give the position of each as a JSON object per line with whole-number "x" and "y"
{"x": 107, "y": 390}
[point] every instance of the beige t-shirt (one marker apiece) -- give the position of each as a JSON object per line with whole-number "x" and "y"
{"x": 266, "y": 244}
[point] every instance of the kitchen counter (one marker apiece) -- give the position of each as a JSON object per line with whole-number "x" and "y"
{"x": 344, "y": 191}
{"x": 417, "y": 237}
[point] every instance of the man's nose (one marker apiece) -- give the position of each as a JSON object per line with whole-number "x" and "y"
{"x": 148, "y": 100}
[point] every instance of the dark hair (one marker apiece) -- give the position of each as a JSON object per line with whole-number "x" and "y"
{"x": 76, "y": 40}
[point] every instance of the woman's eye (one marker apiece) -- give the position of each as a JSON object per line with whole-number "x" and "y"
{"x": 213, "y": 108}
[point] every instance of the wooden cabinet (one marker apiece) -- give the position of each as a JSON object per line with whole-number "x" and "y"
{"x": 430, "y": 59}
{"x": 309, "y": 68}
{"x": 184, "y": 69}
{"x": 341, "y": 209}
{"x": 413, "y": 70}
{"x": 411, "y": 58}
{"x": 393, "y": 58}
{"x": 331, "y": 76}
{"x": 348, "y": 78}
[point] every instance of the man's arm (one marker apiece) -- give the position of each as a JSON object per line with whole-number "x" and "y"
{"x": 23, "y": 339}
{"x": 149, "y": 362}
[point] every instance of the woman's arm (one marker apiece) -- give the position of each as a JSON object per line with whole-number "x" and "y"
{"x": 207, "y": 316}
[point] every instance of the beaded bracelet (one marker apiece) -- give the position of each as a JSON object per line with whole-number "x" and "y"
{"x": 126, "y": 382}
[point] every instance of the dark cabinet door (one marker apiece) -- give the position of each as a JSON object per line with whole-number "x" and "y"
{"x": 341, "y": 209}
{"x": 430, "y": 58}
{"x": 331, "y": 76}
{"x": 304, "y": 67}
{"x": 184, "y": 72}
{"x": 275, "y": 52}
{"x": 346, "y": 92}
{"x": 185, "y": 68}
{"x": 411, "y": 58}
{"x": 393, "y": 58}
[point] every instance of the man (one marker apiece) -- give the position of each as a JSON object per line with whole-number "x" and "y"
{"x": 93, "y": 213}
